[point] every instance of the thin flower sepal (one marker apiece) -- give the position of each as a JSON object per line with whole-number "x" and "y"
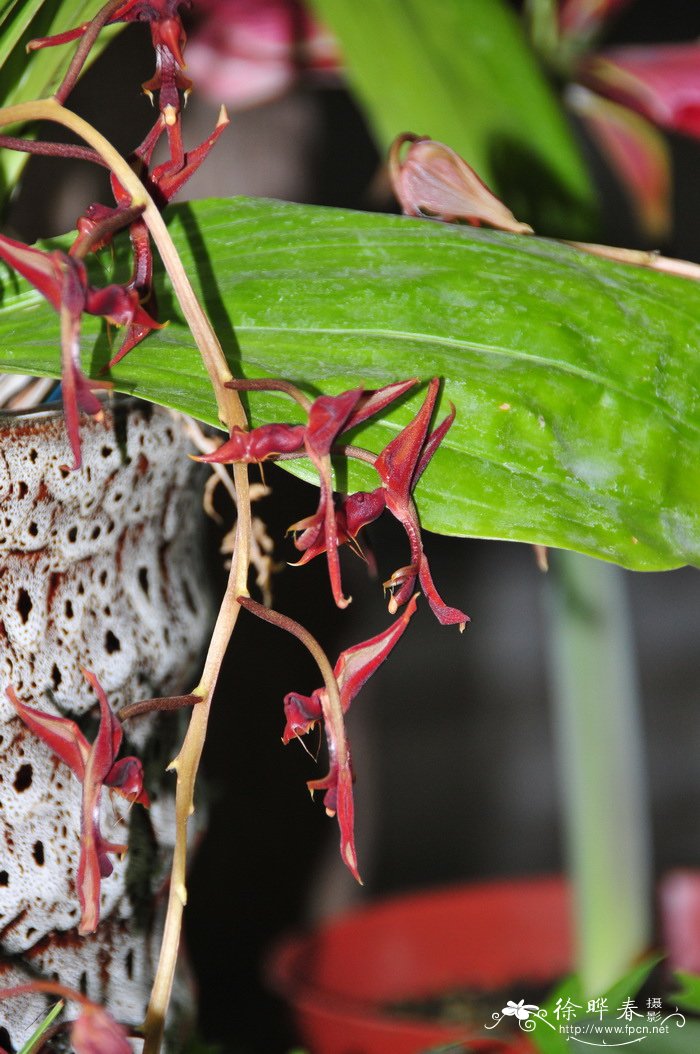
{"x": 95, "y": 766}
{"x": 400, "y": 466}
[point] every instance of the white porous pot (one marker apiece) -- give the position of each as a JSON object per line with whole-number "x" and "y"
{"x": 100, "y": 568}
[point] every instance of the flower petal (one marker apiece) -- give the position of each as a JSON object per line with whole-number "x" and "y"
{"x": 636, "y": 152}
{"x": 357, "y": 664}
{"x": 661, "y": 82}
{"x": 95, "y": 1032}
{"x": 59, "y": 733}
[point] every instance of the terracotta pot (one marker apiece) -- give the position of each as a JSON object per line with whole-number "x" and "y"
{"x": 100, "y": 568}
{"x": 497, "y": 936}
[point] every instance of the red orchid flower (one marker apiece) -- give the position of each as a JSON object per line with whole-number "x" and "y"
{"x": 352, "y": 513}
{"x": 352, "y": 670}
{"x": 400, "y": 465}
{"x": 327, "y": 418}
{"x": 63, "y": 281}
{"x": 95, "y": 766}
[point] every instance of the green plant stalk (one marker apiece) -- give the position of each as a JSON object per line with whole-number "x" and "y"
{"x": 598, "y": 727}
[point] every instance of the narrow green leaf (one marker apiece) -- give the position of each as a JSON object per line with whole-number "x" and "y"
{"x": 461, "y": 71}
{"x": 553, "y": 1041}
{"x": 688, "y": 996}
{"x": 576, "y": 380}
{"x": 24, "y": 77}
{"x": 46, "y": 1023}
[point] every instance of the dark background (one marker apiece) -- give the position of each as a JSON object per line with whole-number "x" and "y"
{"x": 451, "y": 740}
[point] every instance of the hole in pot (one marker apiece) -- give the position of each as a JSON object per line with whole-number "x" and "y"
{"x": 106, "y": 451}
{"x": 112, "y": 643}
{"x": 4, "y": 878}
{"x": 24, "y": 604}
{"x": 38, "y": 853}
{"x": 72, "y": 534}
{"x": 82, "y": 983}
{"x": 189, "y": 599}
{"x": 23, "y": 778}
{"x": 143, "y": 580}
{"x": 68, "y": 607}
{"x": 56, "y": 676}
{"x": 33, "y": 529}
{"x": 129, "y": 963}
{"x": 23, "y": 488}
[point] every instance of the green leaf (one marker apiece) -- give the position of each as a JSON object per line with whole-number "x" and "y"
{"x": 460, "y": 71}
{"x": 25, "y": 77}
{"x": 46, "y": 1023}
{"x": 576, "y": 380}
{"x": 688, "y": 996}
{"x": 553, "y": 1041}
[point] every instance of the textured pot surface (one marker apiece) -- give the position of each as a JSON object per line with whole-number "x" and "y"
{"x": 485, "y": 937}
{"x": 99, "y": 568}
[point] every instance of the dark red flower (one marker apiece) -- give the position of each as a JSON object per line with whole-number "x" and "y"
{"x": 352, "y": 513}
{"x": 63, "y": 281}
{"x": 400, "y": 465}
{"x": 257, "y": 445}
{"x": 352, "y": 670}
{"x": 96, "y": 767}
{"x": 168, "y": 37}
{"x": 327, "y": 418}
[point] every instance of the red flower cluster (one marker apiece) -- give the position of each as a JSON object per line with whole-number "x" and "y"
{"x": 60, "y": 277}
{"x": 399, "y": 467}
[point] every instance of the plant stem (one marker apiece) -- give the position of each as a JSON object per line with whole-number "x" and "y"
{"x": 231, "y": 413}
{"x": 598, "y": 726}
{"x": 186, "y": 765}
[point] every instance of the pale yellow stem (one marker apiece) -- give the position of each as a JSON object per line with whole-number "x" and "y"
{"x": 642, "y": 258}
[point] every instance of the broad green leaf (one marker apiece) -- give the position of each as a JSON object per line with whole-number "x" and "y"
{"x": 461, "y": 71}
{"x": 576, "y": 380}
